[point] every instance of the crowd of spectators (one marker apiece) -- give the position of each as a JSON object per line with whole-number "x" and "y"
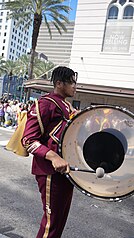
{"x": 10, "y": 111}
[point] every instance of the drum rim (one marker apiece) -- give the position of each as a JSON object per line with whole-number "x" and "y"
{"x": 69, "y": 122}
{"x": 106, "y": 198}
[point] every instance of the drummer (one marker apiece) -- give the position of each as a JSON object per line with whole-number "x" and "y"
{"x": 48, "y": 167}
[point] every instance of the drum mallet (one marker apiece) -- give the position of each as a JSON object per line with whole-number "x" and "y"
{"x": 99, "y": 171}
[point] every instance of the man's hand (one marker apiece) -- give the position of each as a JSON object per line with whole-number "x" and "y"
{"x": 59, "y": 164}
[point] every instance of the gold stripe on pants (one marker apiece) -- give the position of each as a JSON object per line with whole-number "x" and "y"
{"x": 48, "y": 210}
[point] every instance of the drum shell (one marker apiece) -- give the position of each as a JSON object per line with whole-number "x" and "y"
{"x": 119, "y": 183}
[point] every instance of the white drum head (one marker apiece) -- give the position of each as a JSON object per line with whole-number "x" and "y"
{"x": 101, "y": 136}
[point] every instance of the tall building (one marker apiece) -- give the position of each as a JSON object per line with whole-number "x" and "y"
{"x": 14, "y": 41}
{"x": 103, "y": 52}
{"x": 58, "y": 48}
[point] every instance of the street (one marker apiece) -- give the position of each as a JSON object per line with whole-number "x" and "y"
{"x": 21, "y": 207}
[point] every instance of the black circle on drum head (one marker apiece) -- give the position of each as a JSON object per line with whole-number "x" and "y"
{"x": 105, "y": 150}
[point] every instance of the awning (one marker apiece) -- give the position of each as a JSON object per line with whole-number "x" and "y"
{"x": 47, "y": 86}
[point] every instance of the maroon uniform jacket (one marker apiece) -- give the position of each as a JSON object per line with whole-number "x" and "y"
{"x": 53, "y": 119}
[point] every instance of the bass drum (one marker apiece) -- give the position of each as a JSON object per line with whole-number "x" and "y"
{"x": 101, "y": 136}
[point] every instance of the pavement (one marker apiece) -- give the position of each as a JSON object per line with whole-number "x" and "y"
{"x": 2, "y": 236}
{"x": 4, "y": 143}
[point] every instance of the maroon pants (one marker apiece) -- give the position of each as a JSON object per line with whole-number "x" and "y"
{"x": 56, "y": 193}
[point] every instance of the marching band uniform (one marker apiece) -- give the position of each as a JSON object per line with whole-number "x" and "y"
{"x": 56, "y": 190}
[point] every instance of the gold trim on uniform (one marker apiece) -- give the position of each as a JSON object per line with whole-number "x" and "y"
{"x": 35, "y": 145}
{"x": 48, "y": 210}
{"x": 66, "y": 105}
{"x": 52, "y": 134}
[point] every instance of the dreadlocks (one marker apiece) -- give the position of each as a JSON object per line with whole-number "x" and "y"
{"x": 63, "y": 74}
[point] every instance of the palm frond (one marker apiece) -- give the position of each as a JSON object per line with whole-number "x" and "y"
{"x": 58, "y": 22}
{"x": 48, "y": 25}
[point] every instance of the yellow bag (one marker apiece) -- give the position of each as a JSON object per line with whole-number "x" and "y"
{"x": 14, "y": 143}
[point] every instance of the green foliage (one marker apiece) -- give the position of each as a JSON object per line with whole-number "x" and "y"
{"x": 53, "y": 11}
{"x": 20, "y": 67}
{"x": 1, "y": 63}
{"x": 8, "y": 67}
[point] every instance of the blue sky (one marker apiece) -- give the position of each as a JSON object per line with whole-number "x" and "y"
{"x": 73, "y": 5}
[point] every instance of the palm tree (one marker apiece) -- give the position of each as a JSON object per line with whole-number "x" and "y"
{"x": 36, "y": 11}
{"x": 40, "y": 66}
{"x": 8, "y": 68}
{"x": 2, "y": 61}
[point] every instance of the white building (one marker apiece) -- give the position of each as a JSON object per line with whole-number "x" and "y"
{"x": 58, "y": 48}
{"x": 103, "y": 52}
{"x": 13, "y": 41}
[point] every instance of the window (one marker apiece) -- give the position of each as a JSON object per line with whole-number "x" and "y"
{"x": 121, "y": 9}
{"x": 1, "y": 13}
{"x": 113, "y": 13}
{"x": 4, "y": 41}
{"x": 128, "y": 12}
{"x": 0, "y": 20}
{"x": 122, "y": 2}
{"x": 5, "y": 27}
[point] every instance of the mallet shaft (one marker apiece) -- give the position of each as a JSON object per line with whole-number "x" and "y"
{"x": 82, "y": 170}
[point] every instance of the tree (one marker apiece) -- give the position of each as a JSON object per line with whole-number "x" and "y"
{"x": 36, "y": 11}
{"x": 40, "y": 66}
{"x": 9, "y": 68}
{"x": 2, "y": 61}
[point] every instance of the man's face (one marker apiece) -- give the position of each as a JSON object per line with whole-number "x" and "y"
{"x": 68, "y": 89}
